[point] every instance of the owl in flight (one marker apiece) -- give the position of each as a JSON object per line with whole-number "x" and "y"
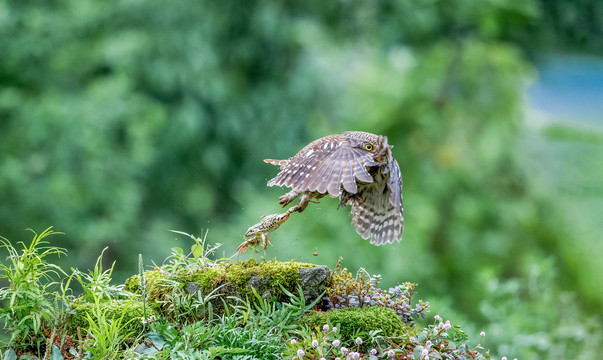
{"x": 359, "y": 169}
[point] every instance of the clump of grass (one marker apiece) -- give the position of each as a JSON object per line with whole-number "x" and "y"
{"x": 252, "y": 329}
{"x": 30, "y": 305}
{"x": 97, "y": 283}
{"x": 106, "y": 332}
{"x": 198, "y": 256}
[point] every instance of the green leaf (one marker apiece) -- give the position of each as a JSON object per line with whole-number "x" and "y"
{"x": 197, "y": 251}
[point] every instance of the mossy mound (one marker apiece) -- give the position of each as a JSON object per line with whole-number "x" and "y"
{"x": 241, "y": 276}
{"x": 131, "y": 310}
{"x": 238, "y": 279}
{"x": 154, "y": 280}
{"x": 356, "y": 321}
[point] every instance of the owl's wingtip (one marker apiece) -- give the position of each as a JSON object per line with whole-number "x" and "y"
{"x": 275, "y": 162}
{"x": 379, "y": 239}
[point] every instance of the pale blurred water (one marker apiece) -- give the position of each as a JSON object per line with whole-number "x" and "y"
{"x": 569, "y": 88}
{"x": 564, "y": 156}
{"x": 564, "y": 118}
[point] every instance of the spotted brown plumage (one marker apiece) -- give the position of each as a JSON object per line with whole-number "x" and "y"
{"x": 358, "y": 168}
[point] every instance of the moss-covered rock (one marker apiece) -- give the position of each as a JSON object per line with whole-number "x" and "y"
{"x": 131, "y": 310}
{"x": 237, "y": 279}
{"x": 242, "y": 276}
{"x": 355, "y": 320}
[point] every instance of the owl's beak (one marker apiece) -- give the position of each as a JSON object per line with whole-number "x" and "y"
{"x": 387, "y": 153}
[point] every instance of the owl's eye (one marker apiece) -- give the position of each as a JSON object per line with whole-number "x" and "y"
{"x": 368, "y": 147}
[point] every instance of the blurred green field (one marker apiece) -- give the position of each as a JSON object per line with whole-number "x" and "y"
{"x": 120, "y": 120}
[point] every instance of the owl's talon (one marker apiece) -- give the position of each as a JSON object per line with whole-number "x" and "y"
{"x": 288, "y": 198}
{"x": 303, "y": 203}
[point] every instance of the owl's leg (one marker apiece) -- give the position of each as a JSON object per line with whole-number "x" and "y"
{"x": 304, "y": 201}
{"x": 288, "y": 198}
{"x": 302, "y": 204}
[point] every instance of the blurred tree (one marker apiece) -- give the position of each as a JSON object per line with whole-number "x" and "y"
{"x": 120, "y": 119}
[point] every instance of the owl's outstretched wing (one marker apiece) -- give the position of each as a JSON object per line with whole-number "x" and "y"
{"x": 324, "y": 166}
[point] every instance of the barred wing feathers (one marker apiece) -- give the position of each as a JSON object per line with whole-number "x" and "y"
{"x": 374, "y": 215}
{"x": 395, "y": 197}
{"x": 377, "y": 210}
{"x": 379, "y": 224}
{"x": 324, "y": 166}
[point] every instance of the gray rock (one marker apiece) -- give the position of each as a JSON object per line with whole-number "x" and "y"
{"x": 257, "y": 283}
{"x": 192, "y": 287}
{"x": 314, "y": 281}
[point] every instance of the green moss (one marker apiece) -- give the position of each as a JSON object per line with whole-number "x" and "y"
{"x": 151, "y": 277}
{"x": 237, "y": 276}
{"x": 154, "y": 279}
{"x": 131, "y": 283}
{"x": 236, "y": 279}
{"x": 207, "y": 278}
{"x": 355, "y": 321}
{"x": 132, "y": 310}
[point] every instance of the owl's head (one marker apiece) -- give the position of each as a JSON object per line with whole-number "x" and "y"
{"x": 375, "y": 144}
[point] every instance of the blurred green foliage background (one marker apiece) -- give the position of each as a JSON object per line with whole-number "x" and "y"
{"x": 121, "y": 119}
